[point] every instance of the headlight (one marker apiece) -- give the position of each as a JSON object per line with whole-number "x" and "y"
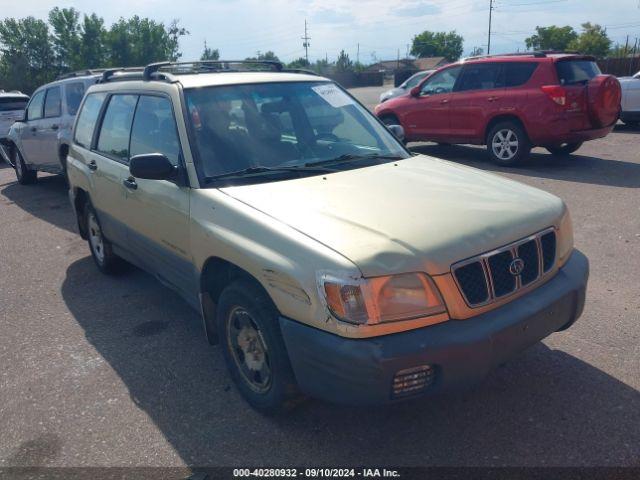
{"x": 381, "y": 299}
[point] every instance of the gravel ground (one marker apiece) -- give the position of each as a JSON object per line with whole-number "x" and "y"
{"x": 100, "y": 371}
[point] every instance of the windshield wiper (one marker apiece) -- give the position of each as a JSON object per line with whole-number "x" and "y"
{"x": 353, "y": 156}
{"x": 261, "y": 169}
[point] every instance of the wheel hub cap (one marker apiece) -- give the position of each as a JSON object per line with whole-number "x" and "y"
{"x": 505, "y": 144}
{"x": 95, "y": 238}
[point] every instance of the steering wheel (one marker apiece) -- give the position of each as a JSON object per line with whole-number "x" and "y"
{"x": 327, "y": 136}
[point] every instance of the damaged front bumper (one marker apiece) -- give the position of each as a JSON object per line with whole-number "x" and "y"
{"x": 459, "y": 353}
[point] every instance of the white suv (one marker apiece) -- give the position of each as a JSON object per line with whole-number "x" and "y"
{"x": 39, "y": 141}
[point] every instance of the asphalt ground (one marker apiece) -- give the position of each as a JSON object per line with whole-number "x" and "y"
{"x": 115, "y": 371}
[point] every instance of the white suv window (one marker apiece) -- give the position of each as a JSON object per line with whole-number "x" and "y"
{"x": 34, "y": 112}
{"x": 53, "y": 103}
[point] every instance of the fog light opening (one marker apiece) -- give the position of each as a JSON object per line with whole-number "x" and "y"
{"x": 412, "y": 381}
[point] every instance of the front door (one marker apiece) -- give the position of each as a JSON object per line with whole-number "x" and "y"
{"x": 428, "y": 115}
{"x": 29, "y": 137}
{"x": 47, "y": 148}
{"x": 478, "y": 96}
{"x": 157, "y": 211}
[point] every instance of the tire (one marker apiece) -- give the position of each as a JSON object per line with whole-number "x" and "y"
{"x": 631, "y": 123}
{"x": 565, "y": 148}
{"x": 101, "y": 250}
{"x": 508, "y": 144}
{"x": 24, "y": 175}
{"x": 390, "y": 120}
{"x": 247, "y": 322}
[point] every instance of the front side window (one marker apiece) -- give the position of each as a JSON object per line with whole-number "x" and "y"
{"x": 481, "y": 76}
{"x": 154, "y": 129}
{"x": 34, "y": 111}
{"x": 441, "y": 82}
{"x": 8, "y": 104}
{"x": 283, "y": 125}
{"x": 73, "y": 93}
{"x": 87, "y": 119}
{"x": 116, "y": 126}
{"x": 52, "y": 103}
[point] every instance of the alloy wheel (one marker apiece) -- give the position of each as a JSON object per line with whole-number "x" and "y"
{"x": 95, "y": 237}
{"x": 505, "y": 144}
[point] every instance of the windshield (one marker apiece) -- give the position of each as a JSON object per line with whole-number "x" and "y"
{"x": 414, "y": 80}
{"x": 280, "y": 126}
{"x": 8, "y": 104}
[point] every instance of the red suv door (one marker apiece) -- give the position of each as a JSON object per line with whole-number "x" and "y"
{"x": 478, "y": 95}
{"x": 427, "y": 115}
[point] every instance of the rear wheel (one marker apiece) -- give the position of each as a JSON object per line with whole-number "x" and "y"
{"x": 253, "y": 348}
{"x": 101, "y": 249}
{"x": 24, "y": 175}
{"x": 508, "y": 144}
{"x": 390, "y": 120}
{"x": 631, "y": 123}
{"x": 564, "y": 148}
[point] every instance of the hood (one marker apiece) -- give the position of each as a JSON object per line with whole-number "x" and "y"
{"x": 418, "y": 214}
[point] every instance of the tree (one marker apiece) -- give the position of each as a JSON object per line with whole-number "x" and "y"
{"x": 266, "y": 56}
{"x": 299, "y": 63}
{"x": 93, "y": 39}
{"x": 476, "y": 52}
{"x": 593, "y": 40}
{"x": 174, "y": 32}
{"x": 438, "y": 44}
{"x": 66, "y": 38}
{"x": 344, "y": 63}
{"x": 210, "y": 53}
{"x": 27, "y": 59}
{"x": 551, "y": 38}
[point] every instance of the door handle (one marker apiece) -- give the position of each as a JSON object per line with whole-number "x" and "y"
{"x": 130, "y": 183}
{"x": 33, "y": 129}
{"x": 444, "y": 101}
{"x": 92, "y": 165}
{"x": 54, "y": 127}
{"x": 493, "y": 99}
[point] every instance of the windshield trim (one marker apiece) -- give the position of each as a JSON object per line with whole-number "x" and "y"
{"x": 195, "y": 152}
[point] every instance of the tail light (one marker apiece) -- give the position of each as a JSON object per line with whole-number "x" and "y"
{"x": 557, "y": 93}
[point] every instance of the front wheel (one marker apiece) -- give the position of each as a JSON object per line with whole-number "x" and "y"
{"x": 564, "y": 148}
{"x": 24, "y": 175}
{"x": 253, "y": 348}
{"x": 508, "y": 144}
{"x": 101, "y": 249}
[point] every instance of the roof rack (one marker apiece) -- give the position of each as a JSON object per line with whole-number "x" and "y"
{"x": 109, "y": 73}
{"x": 533, "y": 53}
{"x": 81, "y": 73}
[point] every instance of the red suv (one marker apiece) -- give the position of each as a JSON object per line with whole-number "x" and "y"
{"x": 510, "y": 103}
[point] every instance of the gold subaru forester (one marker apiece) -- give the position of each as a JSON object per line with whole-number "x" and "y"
{"x": 324, "y": 257}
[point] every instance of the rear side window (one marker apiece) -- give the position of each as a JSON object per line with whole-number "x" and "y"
{"x": 53, "y": 102}
{"x": 7, "y": 104}
{"x": 154, "y": 129}
{"x": 73, "y": 93}
{"x": 576, "y": 71}
{"x": 481, "y": 76}
{"x": 34, "y": 111}
{"x": 116, "y": 126}
{"x": 519, "y": 73}
{"x": 87, "y": 119}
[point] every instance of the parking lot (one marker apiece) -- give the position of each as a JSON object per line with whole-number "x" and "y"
{"x": 115, "y": 371}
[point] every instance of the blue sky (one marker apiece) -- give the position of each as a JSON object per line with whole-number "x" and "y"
{"x": 239, "y": 28}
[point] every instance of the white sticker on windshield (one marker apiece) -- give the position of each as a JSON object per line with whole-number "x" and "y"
{"x": 333, "y": 95}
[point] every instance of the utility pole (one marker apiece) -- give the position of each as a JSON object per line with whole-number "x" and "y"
{"x": 398, "y": 61}
{"x": 489, "y": 40}
{"x": 306, "y": 43}
{"x": 358, "y": 55}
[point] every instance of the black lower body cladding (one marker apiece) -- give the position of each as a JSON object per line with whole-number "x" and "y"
{"x": 460, "y": 352}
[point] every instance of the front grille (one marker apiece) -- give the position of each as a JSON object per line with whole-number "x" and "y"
{"x": 502, "y": 272}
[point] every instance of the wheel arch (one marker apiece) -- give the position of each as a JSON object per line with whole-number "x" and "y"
{"x": 80, "y": 199}
{"x": 216, "y": 274}
{"x": 509, "y": 117}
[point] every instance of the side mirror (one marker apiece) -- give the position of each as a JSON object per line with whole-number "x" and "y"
{"x": 415, "y": 91}
{"x": 397, "y": 131}
{"x": 152, "y": 166}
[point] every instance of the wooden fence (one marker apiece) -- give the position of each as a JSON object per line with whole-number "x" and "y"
{"x": 620, "y": 67}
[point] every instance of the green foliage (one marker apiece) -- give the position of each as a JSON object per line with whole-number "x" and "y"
{"x": 438, "y": 44}
{"x": 267, "y": 56}
{"x": 210, "y": 53}
{"x": 299, "y": 63}
{"x": 551, "y": 38}
{"x": 344, "y": 63}
{"x": 33, "y": 52}
{"x": 592, "y": 41}
{"x": 476, "y": 52}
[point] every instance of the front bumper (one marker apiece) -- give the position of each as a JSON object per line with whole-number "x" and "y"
{"x": 463, "y": 352}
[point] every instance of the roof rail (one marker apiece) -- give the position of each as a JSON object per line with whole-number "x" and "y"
{"x": 81, "y": 73}
{"x": 108, "y": 73}
{"x": 210, "y": 66}
{"x": 534, "y": 53}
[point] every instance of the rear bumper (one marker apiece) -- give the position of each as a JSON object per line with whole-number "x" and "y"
{"x": 559, "y": 137}
{"x": 462, "y": 352}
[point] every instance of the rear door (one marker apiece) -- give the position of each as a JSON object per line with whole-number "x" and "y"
{"x": 427, "y": 116}
{"x": 29, "y": 136}
{"x": 157, "y": 211}
{"x": 478, "y": 95}
{"x": 47, "y": 144}
{"x": 109, "y": 165}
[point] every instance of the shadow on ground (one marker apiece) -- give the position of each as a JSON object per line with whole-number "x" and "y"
{"x": 47, "y": 200}
{"x": 571, "y": 168}
{"x": 544, "y": 408}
